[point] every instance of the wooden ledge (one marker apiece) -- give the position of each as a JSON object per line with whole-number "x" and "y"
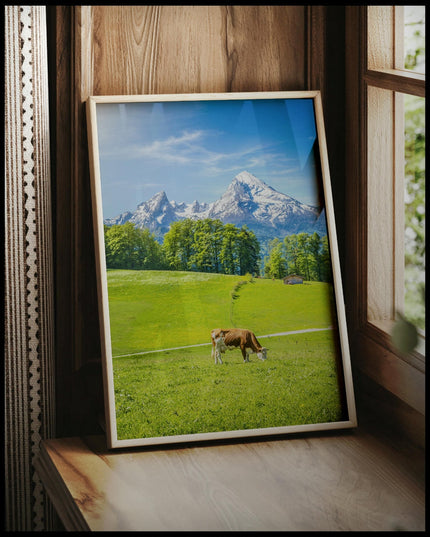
{"x": 347, "y": 481}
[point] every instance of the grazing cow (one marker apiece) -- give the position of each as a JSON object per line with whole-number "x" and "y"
{"x": 234, "y": 338}
{"x": 218, "y": 345}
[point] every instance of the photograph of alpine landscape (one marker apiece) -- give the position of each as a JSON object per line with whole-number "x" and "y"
{"x": 220, "y": 285}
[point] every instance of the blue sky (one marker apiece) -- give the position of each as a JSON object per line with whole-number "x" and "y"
{"x": 193, "y": 149}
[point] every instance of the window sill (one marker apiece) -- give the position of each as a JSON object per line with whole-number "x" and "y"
{"x": 383, "y": 329}
{"x": 402, "y": 375}
{"x": 239, "y": 486}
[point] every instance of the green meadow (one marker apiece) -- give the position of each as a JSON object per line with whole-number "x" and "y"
{"x": 152, "y": 310}
{"x": 161, "y": 392}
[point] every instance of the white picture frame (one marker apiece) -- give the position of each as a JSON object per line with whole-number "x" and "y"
{"x": 143, "y": 144}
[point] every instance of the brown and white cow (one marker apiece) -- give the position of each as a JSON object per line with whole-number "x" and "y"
{"x": 223, "y": 340}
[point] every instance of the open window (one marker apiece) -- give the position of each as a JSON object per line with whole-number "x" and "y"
{"x": 396, "y": 166}
{"x": 385, "y": 155}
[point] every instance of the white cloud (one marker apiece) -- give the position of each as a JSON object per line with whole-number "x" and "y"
{"x": 174, "y": 148}
{"x": 187, "y": 148}
{"x": 191, "y": 147}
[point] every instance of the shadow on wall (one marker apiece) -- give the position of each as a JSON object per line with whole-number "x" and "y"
{"x": 86, "y": 411}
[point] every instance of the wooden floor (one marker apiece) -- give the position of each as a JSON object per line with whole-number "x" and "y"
{"x": 347, "y": 481}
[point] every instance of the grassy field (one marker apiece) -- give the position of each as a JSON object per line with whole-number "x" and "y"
{"x": 160, "y": 309}
{"x": 183, "y": 391}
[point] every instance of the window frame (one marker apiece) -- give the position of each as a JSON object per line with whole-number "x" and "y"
{"x": 368, "y": 71}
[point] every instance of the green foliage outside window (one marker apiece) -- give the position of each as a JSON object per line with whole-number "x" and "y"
{"x": 415, "y": 210}
{"x": 414, "y": 307}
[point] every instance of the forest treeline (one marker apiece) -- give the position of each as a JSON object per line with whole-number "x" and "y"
{"x": 210, "y": 246}
{"x": 304, "y": 254}
{"x": 194, "y": 245}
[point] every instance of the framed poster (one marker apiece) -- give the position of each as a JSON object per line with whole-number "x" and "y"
{"x": 221, "y": 306}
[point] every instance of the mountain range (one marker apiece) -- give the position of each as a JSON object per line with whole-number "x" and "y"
{"x": 247, "y": 201}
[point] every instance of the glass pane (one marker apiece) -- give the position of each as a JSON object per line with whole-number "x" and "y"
{"x": 415, "y": 210}
{"x": 414, "y": 38}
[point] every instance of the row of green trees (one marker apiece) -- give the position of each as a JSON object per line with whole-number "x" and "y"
{"x": 211, "y": 246}
{"x": 196, "y": 245}
{"x": 305, "y": 254}
{"x": 128, "y": 247}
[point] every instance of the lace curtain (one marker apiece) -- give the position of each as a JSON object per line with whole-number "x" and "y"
{"x": 29, "y": 330}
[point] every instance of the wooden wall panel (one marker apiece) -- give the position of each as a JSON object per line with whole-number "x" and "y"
{"x": 108, "y": 50}
{"x": 191, "y": 49}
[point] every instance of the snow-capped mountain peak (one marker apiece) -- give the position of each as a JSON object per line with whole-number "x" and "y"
{"x": 250, "y": 180}
{"x": 247, "y": 185}
{"x": 247, "y": 201}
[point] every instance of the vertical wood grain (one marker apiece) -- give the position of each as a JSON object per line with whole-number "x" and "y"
{"x": 399, "y": 42}
{"x": 380, "y": 44}
{"x": 75, "y": 297}
{"x": 124, "y": 49}
{"x": 399, "y": 204}
{"x": 266, "y": 48}
{"x": 316, "y": 61}
{"x": 331, "y": 66}
{"x": 355, "y": 166}
{"x": 87, "y": 345}
{"x": 380, "y": 204}
{"x": 59, "y": 39}
{"x": 197, "y": 49}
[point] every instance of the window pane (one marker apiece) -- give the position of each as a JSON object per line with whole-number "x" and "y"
{"x": 414, "y": 38}
{"x": 414, "y": 307}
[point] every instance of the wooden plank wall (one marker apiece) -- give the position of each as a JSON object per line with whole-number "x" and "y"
{"x": 107, "y": 50}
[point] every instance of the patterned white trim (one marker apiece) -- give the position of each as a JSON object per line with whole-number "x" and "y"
{"x": 29, "y": 403}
